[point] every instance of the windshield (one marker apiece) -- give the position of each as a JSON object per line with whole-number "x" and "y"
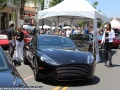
{"x": 3, "y": 37}
{"x": 56, "y": 42}
{"x": 79, "y": 37}
{"x": 3, "y": 63}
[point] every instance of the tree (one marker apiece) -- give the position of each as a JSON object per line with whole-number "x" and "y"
{"x": 55, "y": 2}
{"x": 19, "y": 5}
{"x": 95, "y": 4}
{"x": 80, "y": 24}
{"x": 2, "y": 4}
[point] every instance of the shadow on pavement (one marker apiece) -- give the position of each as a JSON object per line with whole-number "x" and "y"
{"x": 115, "y": 65}
{"x": 102, "y": 56}
{"x": 93, "y": 81}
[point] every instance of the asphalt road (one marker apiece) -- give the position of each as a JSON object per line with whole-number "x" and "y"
{"x": 105, "y": 78}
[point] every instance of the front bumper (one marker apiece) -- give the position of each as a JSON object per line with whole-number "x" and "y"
{"x": 68, "y": 72}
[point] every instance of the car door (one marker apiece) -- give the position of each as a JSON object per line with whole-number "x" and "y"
{"x": 32, "y": 48}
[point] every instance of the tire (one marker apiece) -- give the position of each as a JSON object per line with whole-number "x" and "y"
{"x": 35, "y": 70}
{"x": 25, "y": 60}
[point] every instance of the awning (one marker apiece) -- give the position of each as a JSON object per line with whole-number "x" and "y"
{"x": 30, "y": 10}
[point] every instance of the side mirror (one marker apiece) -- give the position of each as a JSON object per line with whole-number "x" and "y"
{"x": 17, "y": 61}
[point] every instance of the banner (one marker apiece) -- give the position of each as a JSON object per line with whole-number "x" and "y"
{"x": 46, "y": 4}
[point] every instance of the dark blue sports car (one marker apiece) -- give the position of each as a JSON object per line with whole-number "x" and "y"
{"x": 9, "y": 77}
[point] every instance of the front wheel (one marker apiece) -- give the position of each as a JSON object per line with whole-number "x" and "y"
{"x": 35, "y": 70}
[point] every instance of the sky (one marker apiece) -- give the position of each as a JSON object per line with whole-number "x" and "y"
{"x": 110, "y": 8}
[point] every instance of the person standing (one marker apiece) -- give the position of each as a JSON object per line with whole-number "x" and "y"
{"x": 77, "y": 31}
{"x": 86, "y": 31}
{"x": 11, "y": 37}
{"x": 107, "y": 39}
{"x": 68, "y": 32}
{"x": 19, "y": 35}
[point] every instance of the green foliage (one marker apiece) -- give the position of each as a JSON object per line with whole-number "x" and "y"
{"x": 55, "y": 2}
{"x": 99, "y": 24}
{"x": 81, "y": 23}
{"x": 3, "y": 4}
{"x": 95, "y": 4}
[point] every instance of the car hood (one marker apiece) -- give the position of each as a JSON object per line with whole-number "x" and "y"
{"x": 9, "y": 78}
{"x": 62, "y": 56}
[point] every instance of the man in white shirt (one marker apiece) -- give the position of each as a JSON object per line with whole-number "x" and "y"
{"x": 77, "y": 31}
{"x": 68, "y": 32}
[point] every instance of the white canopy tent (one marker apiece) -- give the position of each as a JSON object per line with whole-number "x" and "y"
{"x": 28, "y": 27}
{"x": 45, "y": 27}
{"x": 81, "y": 11}
{"x": 66, "y": 27}
{"x": 75, "y": 11}
{"x": 115, "y": 24}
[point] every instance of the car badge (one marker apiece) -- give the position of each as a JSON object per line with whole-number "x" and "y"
{"x": 72, "y": 60}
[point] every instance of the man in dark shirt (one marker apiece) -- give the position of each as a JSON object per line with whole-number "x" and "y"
{"x": 11, "y": 38}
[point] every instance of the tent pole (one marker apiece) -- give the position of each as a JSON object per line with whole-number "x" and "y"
{"x": 72, "y": 22}
{"x": 58, "y": 21}
{"x": 95, "y": 42}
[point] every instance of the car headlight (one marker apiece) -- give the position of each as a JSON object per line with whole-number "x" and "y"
{"x": 90, "y": 59}
{"x": 48, "y": 60}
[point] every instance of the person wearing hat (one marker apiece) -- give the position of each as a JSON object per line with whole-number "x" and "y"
{"x": 11, "y": 37}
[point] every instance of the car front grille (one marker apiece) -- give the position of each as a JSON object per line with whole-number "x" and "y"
{"x": 73, "y": 71}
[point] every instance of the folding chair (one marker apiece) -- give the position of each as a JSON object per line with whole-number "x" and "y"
{"x": 118, "y": 49}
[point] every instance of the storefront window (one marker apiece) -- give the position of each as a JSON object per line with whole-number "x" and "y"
{"x": 3, "y": 20}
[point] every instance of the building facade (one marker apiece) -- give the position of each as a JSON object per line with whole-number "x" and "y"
{"x": 9, "y": 13}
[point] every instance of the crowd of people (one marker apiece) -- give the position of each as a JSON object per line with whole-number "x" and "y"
{"x": 16, "y": 39}
{"x": 69, "y": 31}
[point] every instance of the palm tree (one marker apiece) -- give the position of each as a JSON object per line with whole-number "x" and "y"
{"x": 19, "y": 5}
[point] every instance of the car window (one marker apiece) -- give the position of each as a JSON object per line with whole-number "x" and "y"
{"x": 90, "y": 38}
{"x": 59, "y": 42}
{"x": 3, "y": 36}
{"x": 3, "y": 62}
{"x": 79, "y": 37}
